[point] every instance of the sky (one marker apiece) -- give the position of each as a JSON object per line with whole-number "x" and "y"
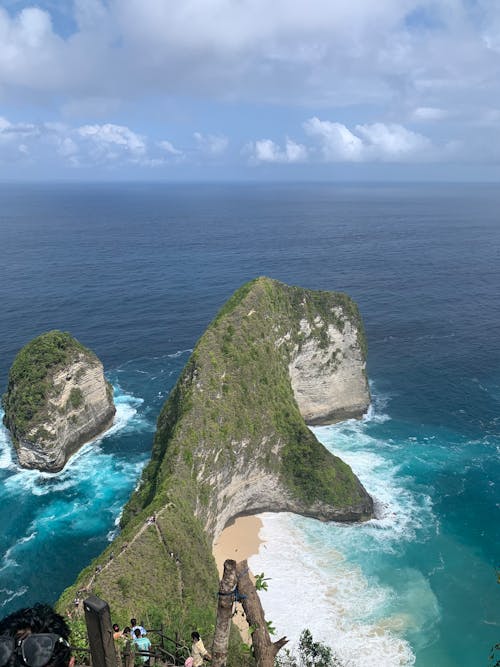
{"x": 250, "y": 89}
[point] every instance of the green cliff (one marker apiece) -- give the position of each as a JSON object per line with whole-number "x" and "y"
{"x": 231, "y": 439}
{"x": 56, "y": 400}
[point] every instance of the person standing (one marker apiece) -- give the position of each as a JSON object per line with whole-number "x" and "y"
{"x": 143, "y": 644}
{"x": 198, "y": 651}
{"x": 134, "y": 626}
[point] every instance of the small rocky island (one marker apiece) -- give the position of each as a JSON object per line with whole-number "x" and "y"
{"x": 232, "y": 439}
{"x": 57, "y": 399}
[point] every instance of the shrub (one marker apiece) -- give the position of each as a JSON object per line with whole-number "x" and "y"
{"x": 309, "y": 654}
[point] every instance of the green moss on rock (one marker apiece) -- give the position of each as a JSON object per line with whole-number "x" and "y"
{"x": 29, "y": 383}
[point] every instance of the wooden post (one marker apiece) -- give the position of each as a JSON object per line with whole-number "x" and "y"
{"x": 224, "y": 614}
{"x": 263, "y": 648}
{"x": 128, "y": 654}
{"x": 100, "y": 632}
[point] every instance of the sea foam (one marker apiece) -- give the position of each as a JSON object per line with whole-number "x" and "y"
{"x": 82, "y": 462}
{"x": 76, "y": 504}
{"x": 319, "y": 589}
{"x": 7, "y": 595}
{"x": 329, "y": 573}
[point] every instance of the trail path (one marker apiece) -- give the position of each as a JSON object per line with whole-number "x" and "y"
{"x": 150, "y": 522}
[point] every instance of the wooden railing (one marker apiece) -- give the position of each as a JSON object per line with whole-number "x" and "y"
{"x": 103, "y": 651}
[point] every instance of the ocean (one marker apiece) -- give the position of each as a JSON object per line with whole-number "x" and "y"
{"x": 137, "y": 271}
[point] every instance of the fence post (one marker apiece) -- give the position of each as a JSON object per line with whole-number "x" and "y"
{"x": 129, "y": 655}
{"x": 100, "y": 632}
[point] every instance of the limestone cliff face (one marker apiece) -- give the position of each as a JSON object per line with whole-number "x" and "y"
{"x": 328, "y": 377}
{"x": 232, "y": 439}
{"x": 56, "y": 401}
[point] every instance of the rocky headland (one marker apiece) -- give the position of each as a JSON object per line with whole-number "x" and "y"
{"x": 57, "y": 399}
{"x": 231, "y": 440}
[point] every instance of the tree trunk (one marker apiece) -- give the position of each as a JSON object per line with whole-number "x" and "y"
{"x": 264, "y": 649}
{"x": 224, "y": 614}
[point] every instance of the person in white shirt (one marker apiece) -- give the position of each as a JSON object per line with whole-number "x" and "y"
{"x": 134, "y": 625}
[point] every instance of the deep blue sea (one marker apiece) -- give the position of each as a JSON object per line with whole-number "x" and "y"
{"x": 137, "y": 271}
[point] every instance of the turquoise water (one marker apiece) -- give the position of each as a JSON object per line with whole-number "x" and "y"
{"x": 54, "y": 523}
{"x": 137, "y": 271}
{"x": 394, "y": 590}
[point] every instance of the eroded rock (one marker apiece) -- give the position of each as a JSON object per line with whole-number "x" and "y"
{"x": 57, "y": 400}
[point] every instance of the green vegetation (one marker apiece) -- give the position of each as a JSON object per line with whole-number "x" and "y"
{"x": 309, "y": 654}
{"x": 232, "y": 413}
{"x": 76, "y": 398}
{"x": 30, "y": 384}
{"x": 79, "y": 640}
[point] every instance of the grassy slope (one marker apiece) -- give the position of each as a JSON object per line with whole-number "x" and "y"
{"x": 234, "y": 388}
{"x": 30, "y": 384}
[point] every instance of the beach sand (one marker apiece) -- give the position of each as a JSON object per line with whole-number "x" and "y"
{"x": 239, "y": 540}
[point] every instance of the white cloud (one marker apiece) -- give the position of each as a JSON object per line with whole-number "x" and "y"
{"x": 67, "y": 147}
{"x": 169, "y": 148}
{"x": 212, "y": 144}
{"x": 14, "y": 132}
{"x": 336, "y": 141}
{"x": 15, "y": 139}
{"x": 393, "y": 142}
{"x": 368, "y": 143}
{"x": 117, "y": 147}
{"x": 429, "y": 113}
{"x": 398, "y": 60}
{"x": 310, "y": 51}
{"x": 114, "y": 141}
{"x": 295, "y": 152}
{"x": 28, "y": 50}
{"x": 266, "y": 150}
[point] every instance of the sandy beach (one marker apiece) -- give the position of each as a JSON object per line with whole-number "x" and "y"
{"x": 239, "y": 540}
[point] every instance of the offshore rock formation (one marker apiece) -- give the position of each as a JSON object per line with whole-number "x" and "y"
{"x": 231, "y": 440}
{"x": 57, "y": 400}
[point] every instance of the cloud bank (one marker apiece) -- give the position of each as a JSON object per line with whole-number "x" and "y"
{"x": 308, "y": 82}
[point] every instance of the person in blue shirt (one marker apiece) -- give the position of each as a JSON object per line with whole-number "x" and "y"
{"x": 143, "y": 644}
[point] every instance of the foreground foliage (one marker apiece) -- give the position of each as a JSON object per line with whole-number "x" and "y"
{"x": 309, "y": 654}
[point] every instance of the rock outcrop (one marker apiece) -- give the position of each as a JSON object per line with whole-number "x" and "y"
{"x": 231, "y": 440}
{"x": 57, "y": 400}
{"x": 328, "y": 374}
